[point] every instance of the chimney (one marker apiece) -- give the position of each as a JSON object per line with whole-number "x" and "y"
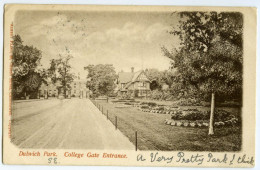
{"x": 132, "y": 69}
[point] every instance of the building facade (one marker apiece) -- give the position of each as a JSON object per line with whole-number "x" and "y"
{"x": 133, "y": 84}
{"x": 78, "y": 89}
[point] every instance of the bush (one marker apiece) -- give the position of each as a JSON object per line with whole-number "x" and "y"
{"x": 194, "y": 114}
{"x": 189, "y": 102}
{"x": 112, "y": 94}
{"x": 151, "y": 104}
{"x": 160, "y": 95}
{"x": 229, "y": 104}
{"x": 155, "y": 94}
{"x": 222, "y": 115}
{"x": 144, "y": 107}
{"x": 161, "y": 108}
{"x": 177, "y": 115}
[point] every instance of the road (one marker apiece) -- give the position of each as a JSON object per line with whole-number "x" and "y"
{"x": 65, "y": 124}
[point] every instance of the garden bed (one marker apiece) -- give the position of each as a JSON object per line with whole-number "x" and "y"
{"x": 191, "y": 117}
{"x": 200, "y": 123}
{"x": 187, "y": 116}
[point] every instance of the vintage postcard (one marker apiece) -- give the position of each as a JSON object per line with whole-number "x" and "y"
{"x": 129, "y": 85}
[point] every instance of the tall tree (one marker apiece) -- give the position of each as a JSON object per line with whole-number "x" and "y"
{"x": 210, "y": 55}
{"x": 60, "y": 71}
{"x": 101, "y": 78}
{"x": 26, "y": 76}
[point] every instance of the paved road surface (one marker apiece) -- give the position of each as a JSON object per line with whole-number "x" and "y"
{"x": 66, "y": 124}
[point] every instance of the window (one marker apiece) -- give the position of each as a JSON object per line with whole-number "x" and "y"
{"x": 141, "y": 84}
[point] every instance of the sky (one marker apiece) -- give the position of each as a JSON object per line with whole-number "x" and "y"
{"x": 124, "y": 39}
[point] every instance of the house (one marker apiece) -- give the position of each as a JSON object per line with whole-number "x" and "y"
{"x": 77, "y": 89}
{"x": 49, "y": 89}
{"x": 134, "y": 84}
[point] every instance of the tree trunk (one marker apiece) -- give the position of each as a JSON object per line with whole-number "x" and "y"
{"x": 65, "y": 93}
{"x": 25, "y": 95}
{"x": 211, "y": 119}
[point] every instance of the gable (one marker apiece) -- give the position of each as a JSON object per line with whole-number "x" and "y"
{"x": 140, "y": 76}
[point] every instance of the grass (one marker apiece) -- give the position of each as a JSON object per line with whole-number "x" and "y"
{"x": 153, "y": 134}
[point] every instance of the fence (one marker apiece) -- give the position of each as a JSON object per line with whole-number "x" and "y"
{"x": 114, "y": 120}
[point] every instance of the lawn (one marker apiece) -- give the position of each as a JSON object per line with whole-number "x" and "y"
{"x": 154, "y": 134}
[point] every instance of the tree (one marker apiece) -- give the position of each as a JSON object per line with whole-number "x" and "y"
{"x": 160, "y": 78}
{"x": 168, "y": 77}
{"x": 26, "y": 76}
{"x": 101, "y": 78}
{"x": 60, "y": 71}
{"x": 155, "y": 76}
{"x": 210, "y": 55}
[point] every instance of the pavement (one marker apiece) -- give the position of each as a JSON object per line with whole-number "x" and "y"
{"x": 64, "y": 124}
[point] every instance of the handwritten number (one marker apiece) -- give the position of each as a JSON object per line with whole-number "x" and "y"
{"x": 52, "y": 160}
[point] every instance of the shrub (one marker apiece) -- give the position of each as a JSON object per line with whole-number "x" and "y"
{"x": 144, "y": 107}
{"x": 195, "y": 115}
{"x": 151, "y": 104}
{"x": 189, "y": 102}
{"x": 222, "y": 115}
{"x": 160, "y": 95}
{"x": 177, "y": 115}
{"x": 161, "y": 108}
{"x": 229, "y": 104}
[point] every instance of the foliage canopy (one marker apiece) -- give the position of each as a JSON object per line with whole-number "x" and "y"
{"x": 101, "y": 78}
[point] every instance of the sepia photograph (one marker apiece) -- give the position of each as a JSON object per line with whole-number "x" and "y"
{"x": 128, "y": 80}
{"x": 174, "y": 78}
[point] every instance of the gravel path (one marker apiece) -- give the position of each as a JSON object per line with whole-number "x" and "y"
{"x": 65, "y": 124}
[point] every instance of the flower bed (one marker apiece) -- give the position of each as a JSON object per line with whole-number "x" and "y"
{"x": 158, "y": 109}
{"x": 196, "y": 118}
{"x": 127, "y": 102}
{"x": 123, "y": 100}
{"x": 200, "y": 123}
{"x": 189, "y": 102}
{"x": 189, "y": 117}
{"x": 195, "y": 114}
